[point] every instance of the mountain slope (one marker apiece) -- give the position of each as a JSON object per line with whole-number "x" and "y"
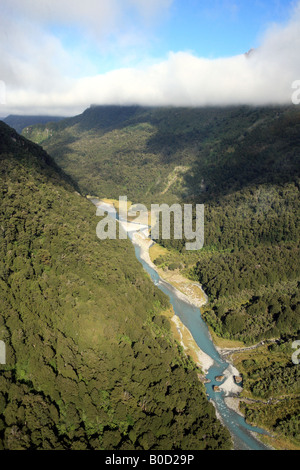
{"x": 18, "y": 122}
{"x": 168, "y": 154}
{"x": 91, "y": 362}
{"x": 243, "y": 163}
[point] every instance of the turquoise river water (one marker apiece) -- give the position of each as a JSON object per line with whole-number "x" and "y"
{"x": 243, "y": 435}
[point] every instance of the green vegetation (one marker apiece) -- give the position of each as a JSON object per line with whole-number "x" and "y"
{"x": 91, "y": 361}
{"x": 272, "y": 381}
{"x": 19, "y": 122}
{"x": 268, "y": 371}
{"x": 148, "y": 154}
{"x": 247, "y": 266}
{"x": 243, "y": 164}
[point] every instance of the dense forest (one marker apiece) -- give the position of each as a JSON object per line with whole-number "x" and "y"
{"x": 247, "y": 266}
{"x": 243, "y": 164}
{"x": 91, "y": 361}
{"x": 170, "y": 154}
{"x": 270, "y": 395}
{"x": 18, "y": 122}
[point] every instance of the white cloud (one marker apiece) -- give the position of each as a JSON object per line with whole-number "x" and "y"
{"x": 41, "y": 84}
{"x": 97, "y": 19}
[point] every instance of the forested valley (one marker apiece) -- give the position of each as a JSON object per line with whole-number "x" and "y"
{"x": 90, "y": 359}
{"x": 242, "y": 163}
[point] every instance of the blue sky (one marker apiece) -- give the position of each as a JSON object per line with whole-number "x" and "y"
{"x": 206, "y": 28}
{"x": 219, "y": 28}
{"x": 60, "y": 55}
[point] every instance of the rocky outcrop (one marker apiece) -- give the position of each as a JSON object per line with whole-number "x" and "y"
{"x": 220, "y": 378}
{"x": 238, "y": 379}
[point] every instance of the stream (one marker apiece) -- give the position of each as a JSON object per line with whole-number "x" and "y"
{"x": 243, "y": 434}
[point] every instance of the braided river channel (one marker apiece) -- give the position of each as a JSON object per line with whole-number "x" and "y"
{"x": 244, "y": 436}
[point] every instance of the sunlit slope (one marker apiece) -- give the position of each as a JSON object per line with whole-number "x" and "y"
{"x": 18, "y": 122}
{"x": 155, "y": 154}
{"x": 243, "y": 164}
{"x": 91, "y": 363}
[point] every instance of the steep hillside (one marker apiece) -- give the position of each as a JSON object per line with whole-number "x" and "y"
{"x": 91, "y": 362}
{"x": 243, "y": 164}
{"x": 18, "y": 122}
{"x": 167, "y": 154}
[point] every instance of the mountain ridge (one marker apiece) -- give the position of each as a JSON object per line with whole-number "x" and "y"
{"x": 243, "y": 164}
{"x": 137, "y": 148}
{"x": 18, "y": 122}
{"x": 90, "y": 359}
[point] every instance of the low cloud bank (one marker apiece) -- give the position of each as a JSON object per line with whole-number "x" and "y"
{"x": 262, "y": 77}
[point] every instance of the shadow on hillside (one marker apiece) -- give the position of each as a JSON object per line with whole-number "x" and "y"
{"x": 266, "y": 154}
{"x": 14, "y": 146}
{"x": 227, "y": 149}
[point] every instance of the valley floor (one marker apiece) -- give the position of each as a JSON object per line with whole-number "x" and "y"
{"x": 192, "y": 292}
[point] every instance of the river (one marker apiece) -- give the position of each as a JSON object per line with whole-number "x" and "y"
{"x": 243, "y": 435}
